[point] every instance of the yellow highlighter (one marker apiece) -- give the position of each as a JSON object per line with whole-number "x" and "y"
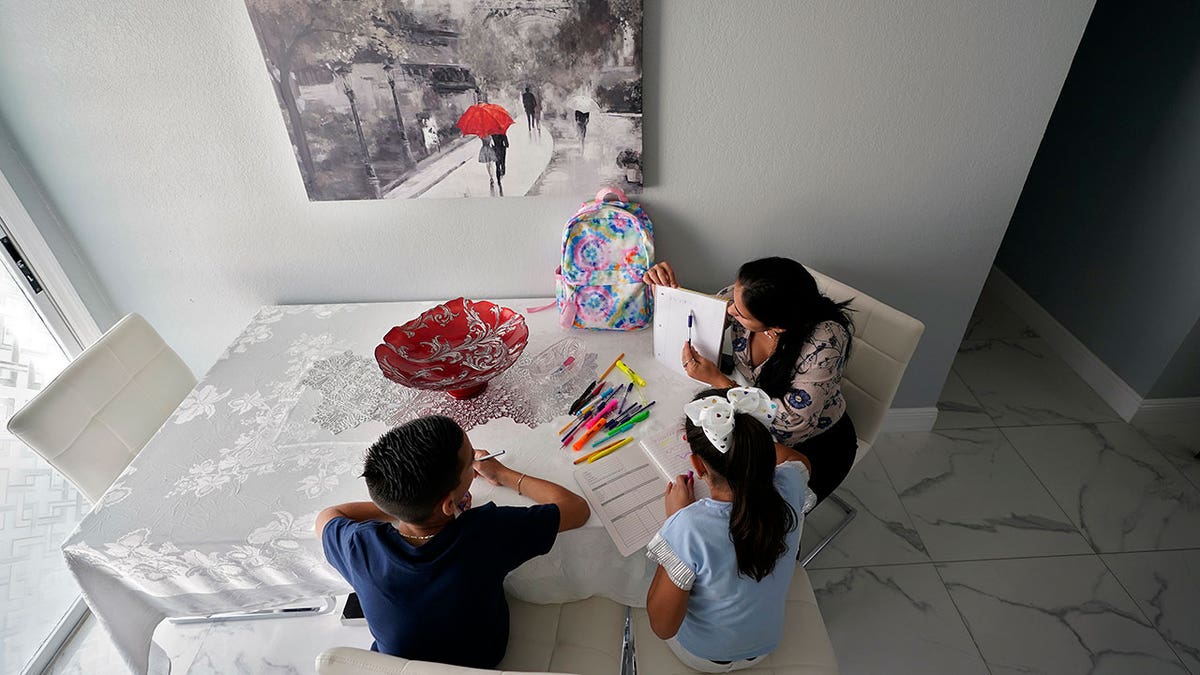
{"x": 615, "y": 446}
{"x": 634, "y": 377}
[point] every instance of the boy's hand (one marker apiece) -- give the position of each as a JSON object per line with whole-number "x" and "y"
{"x": 679, "y": 494}
{"x": 490, "y": 470}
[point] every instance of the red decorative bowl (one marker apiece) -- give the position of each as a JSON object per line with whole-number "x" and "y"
{"x": 455, "y": 347}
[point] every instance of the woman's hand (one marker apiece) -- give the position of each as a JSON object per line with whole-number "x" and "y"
{"x": 490, "y": 470}
{"x": 660, "y": 274}
{"x": 699, "y": 368}
{"x": 679, "y": 494}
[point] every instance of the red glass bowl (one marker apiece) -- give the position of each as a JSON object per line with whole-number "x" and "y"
{"x": 455, "y": 347}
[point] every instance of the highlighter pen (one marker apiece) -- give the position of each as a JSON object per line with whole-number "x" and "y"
{"x": 629, "y": 425}
{"x": 604, "y": 453}
{"x": 637, "y": 379}
{"x": 578, "y": 445}
{"x": 588, "y": 456}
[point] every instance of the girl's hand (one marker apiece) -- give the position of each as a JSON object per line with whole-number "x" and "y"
{"x": 699, "y": 368}
{"x": 660, "y": 274}
{"x": 490, "y": 470}
{"x": 679, "y": 494}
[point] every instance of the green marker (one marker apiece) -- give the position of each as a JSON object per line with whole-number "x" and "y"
{"x": 629, "y": 425}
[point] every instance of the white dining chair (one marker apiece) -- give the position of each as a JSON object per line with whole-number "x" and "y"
{"x": 92, "y": 419}
{"x": 884, "y": 342}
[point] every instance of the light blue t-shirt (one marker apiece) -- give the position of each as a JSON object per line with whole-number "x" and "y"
{"x": 729, "y": 616}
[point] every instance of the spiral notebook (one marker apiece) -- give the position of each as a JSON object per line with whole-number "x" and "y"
{"x": 672, "y": 307}
{"x": 625, "y": 489}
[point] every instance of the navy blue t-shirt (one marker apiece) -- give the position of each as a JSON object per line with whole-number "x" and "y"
{"x": 442, "y": 601}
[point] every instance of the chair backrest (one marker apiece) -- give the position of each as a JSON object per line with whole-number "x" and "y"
{"x": 884, "y": 342}
{"x": 352, "y": 661}
{"x": 92, "y": 419}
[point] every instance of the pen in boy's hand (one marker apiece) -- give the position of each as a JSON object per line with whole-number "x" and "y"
{"x": 490, "y": 455}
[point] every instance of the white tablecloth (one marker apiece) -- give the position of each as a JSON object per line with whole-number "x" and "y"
{"x": 216, "y": 513}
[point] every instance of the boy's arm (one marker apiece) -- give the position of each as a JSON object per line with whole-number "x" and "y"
{"x": 353, "y": 511}
{"x": 666, "y": 605}
{"x": 573, "y": 510}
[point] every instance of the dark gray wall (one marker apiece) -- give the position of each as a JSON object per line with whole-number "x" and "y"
{"x": 1181, "y": 376}
{"x": 1106, "y": 234}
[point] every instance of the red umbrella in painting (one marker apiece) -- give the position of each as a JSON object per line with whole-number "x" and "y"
{"x": 484, "y": 120}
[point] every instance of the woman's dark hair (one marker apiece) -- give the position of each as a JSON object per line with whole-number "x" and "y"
{"x": 761, "y": 518}
{"x": 781, "y": 293}
{"x": 411, "y": 468}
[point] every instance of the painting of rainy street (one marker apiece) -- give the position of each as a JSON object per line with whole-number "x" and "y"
{"x": 406, "y": 99}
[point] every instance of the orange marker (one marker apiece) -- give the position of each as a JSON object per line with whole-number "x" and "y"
{"x": 590, "y": 432}
{"x": 614, "y": 365}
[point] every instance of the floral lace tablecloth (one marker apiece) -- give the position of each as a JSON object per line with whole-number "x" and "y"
{"x": 216, "y": 513}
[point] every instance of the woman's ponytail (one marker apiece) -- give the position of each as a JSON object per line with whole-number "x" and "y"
{"x": 761, "y": 518}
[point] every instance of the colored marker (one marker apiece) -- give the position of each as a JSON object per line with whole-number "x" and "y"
{"x": 604, "y": 453}
{"x": 614, "y": 363}
{"x": 588, "y": 436}
{"x": 629, "y": 425}
{"x": 588, "y": 456}
{"x": 637, "y": 379}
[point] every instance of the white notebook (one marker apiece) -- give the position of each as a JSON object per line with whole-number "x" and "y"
{"x": 672, "y": 306}
{"x": 626, "y": 489}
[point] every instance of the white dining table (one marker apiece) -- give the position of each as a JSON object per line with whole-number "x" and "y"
{"x": 216, "y": 512}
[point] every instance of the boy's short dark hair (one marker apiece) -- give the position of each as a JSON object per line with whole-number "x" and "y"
{"x": 412, "y": 467}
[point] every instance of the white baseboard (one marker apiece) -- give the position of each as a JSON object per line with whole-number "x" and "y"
{"x": 1159, "y": 410}
{"x": 1121, "y": 397}
{"x": 908, "y": 419}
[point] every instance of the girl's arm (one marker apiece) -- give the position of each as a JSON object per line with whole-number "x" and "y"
{"x": 666, "y": 605}
{"x": 785, "y": 454}
{"x": 573, "y": 510}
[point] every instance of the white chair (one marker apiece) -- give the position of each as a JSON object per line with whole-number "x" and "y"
{"x": 580, "y": 638}
{"x": 884, "y": 342}
{"x": 597, "y": 637}
{"x": 805, "y": 649}
{"x": 94, "y": 418}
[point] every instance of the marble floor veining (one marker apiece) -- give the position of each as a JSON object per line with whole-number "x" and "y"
{"x": 1032, "y": 531}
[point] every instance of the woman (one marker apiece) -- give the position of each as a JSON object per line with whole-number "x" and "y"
{"x": 487, "y": 155}
{"x": 792, "y": 342}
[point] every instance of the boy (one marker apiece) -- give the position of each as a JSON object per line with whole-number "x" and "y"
{"x": 429, "y": 569}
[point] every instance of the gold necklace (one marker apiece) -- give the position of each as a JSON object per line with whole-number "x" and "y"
{"x": 420, "y": 537}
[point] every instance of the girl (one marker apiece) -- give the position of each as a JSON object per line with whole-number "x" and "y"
{"x": 793, "y": 342}
{"x": 725, "y": 563}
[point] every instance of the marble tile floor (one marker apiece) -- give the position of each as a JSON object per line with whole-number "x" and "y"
{"x": 1032, "y": 531}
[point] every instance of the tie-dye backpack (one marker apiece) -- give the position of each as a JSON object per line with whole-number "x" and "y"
{"x": 607, "y": 246}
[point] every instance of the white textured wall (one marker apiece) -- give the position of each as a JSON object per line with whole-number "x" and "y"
{"x": 884, "y": 143}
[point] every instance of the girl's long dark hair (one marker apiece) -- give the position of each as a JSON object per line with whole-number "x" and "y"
{"x": 781, "y": 293}
{"x": 761, "y": 518}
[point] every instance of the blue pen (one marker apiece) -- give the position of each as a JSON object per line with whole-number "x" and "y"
{"x": 691, "y": 316}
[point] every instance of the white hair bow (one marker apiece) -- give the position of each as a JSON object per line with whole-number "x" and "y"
{"x": 714, "y": 414}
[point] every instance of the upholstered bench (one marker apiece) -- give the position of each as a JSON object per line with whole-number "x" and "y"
{"x": 585, "y": 638}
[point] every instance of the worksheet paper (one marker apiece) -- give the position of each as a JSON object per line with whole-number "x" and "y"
{"x": 671, "y": 309}
{"x": 626, "y": 493}
{"x": 626, "y": 489}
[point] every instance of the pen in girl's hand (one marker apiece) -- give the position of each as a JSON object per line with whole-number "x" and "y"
{"x": 490, "y": 455}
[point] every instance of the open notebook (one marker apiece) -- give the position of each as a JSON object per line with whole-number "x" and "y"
{"x": 626, "y": 488}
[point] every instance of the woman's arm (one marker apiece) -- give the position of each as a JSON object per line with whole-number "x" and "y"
{"x": 666, "y": 605}
{"x": 573, "y": 510}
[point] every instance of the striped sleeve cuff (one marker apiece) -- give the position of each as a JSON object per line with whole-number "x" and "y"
{"x": 680, "y": 573}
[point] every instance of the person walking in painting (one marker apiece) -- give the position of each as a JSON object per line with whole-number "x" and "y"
{"x": 531, "y": 104}
{"x": 581, "y": 122}
{"x": 429, "y": 131}
{"x": 537, "y": 118}
{"x": 500, "y": 149}
{"x": 487, "y": 155}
